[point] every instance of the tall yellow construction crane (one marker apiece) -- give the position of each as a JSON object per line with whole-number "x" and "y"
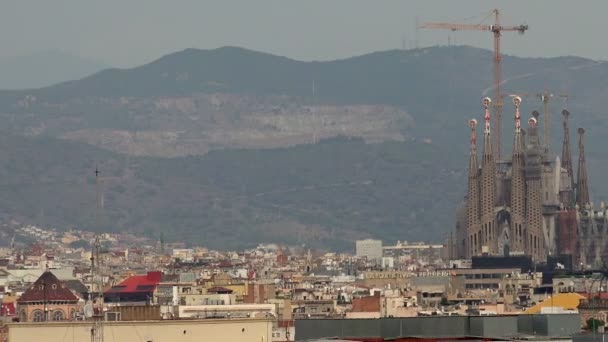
{"x": 496, "y": 30}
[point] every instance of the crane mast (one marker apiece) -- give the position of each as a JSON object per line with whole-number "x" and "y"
{"x": 496, "y": 30}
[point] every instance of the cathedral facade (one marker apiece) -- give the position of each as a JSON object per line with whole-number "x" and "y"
{"x": 529, "y": 204}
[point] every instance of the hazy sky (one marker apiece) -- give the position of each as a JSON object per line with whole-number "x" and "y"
{"x": 131, "y": 32}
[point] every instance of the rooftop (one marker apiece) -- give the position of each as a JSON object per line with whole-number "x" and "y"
{"x": 47, "y": 288}
{"x": 138, "y": 284}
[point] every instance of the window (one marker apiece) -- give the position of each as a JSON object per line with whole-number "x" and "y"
{"x": 38, "y": 316}
{"x": 54, "y": 286}
{"x": 58, "y": 315}
{"x": 23, "y": 315}
{"x": 112, "y": 316}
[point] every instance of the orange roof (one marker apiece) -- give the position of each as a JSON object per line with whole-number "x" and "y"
{"x": 568, "y": 301}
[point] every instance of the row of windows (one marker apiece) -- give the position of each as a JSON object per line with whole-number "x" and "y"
{"x": 483, "y": 276}
{"x": 481, "y": 286}
{"x": 38, "y": 316}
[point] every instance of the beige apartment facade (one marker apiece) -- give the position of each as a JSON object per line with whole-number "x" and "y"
{"x": 158, "y": 331}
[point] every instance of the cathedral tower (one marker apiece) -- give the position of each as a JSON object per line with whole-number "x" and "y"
{"x": 489, "y": 238}
{"x": 582, "y": 189}
{"x": 473, "y": 232}
{"x": 566, "y": 197}
{"x": 534, "y": 239}
{"x": 518, "y": 186}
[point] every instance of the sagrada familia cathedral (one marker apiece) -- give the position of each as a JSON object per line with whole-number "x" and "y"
{"x": 530, "y": 204}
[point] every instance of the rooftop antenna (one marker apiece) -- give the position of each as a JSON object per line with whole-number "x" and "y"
{"x": 13, "y": 242}
{"x": 95, "y": 260}
{"x": 162, "y": 243}
{"x": 314, "y": 112}
{"x": 97, "y": 317}
{"x": 417, "y": 31}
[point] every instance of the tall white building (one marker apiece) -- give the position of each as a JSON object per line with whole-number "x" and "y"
{"x": 372, "y": 249}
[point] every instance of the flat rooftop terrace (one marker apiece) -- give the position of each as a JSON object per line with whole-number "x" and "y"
{"x": 504, "y": 328}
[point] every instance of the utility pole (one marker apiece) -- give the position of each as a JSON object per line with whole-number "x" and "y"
{"x": 314, "y": 112}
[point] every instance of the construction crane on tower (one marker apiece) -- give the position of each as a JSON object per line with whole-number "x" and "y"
{"x": 496, "y": 30}
{"x": 544, "y": 97}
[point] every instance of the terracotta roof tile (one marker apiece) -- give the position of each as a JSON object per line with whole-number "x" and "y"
{"x": 366, "y": 304}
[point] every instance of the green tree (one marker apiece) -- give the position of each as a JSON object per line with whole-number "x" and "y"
{"x": 593, "y": 324}
{"x": 79, "y": 244}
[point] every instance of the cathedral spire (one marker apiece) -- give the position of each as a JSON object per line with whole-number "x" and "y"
{"x": 489, "y": 238}
{"x": 518, "y": 186}
{"x": 473, "y": 168}
{"x": 566, "y": 161}
{"x": 473, "y": 238}
{"x": 534, "y": 239}
{"x": 487, "y": 144}
{"x": 582, "y": 189}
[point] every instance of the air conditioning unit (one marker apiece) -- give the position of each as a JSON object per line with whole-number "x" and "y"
{"x": 112, "y": 316}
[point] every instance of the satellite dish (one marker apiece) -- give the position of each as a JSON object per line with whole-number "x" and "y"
{"x": 88, "y": 310}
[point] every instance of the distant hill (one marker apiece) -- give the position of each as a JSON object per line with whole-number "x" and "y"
{"x": 45, "y": 68}
{"x": 323, "y": 195}
{"x": 219, "y": 145}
